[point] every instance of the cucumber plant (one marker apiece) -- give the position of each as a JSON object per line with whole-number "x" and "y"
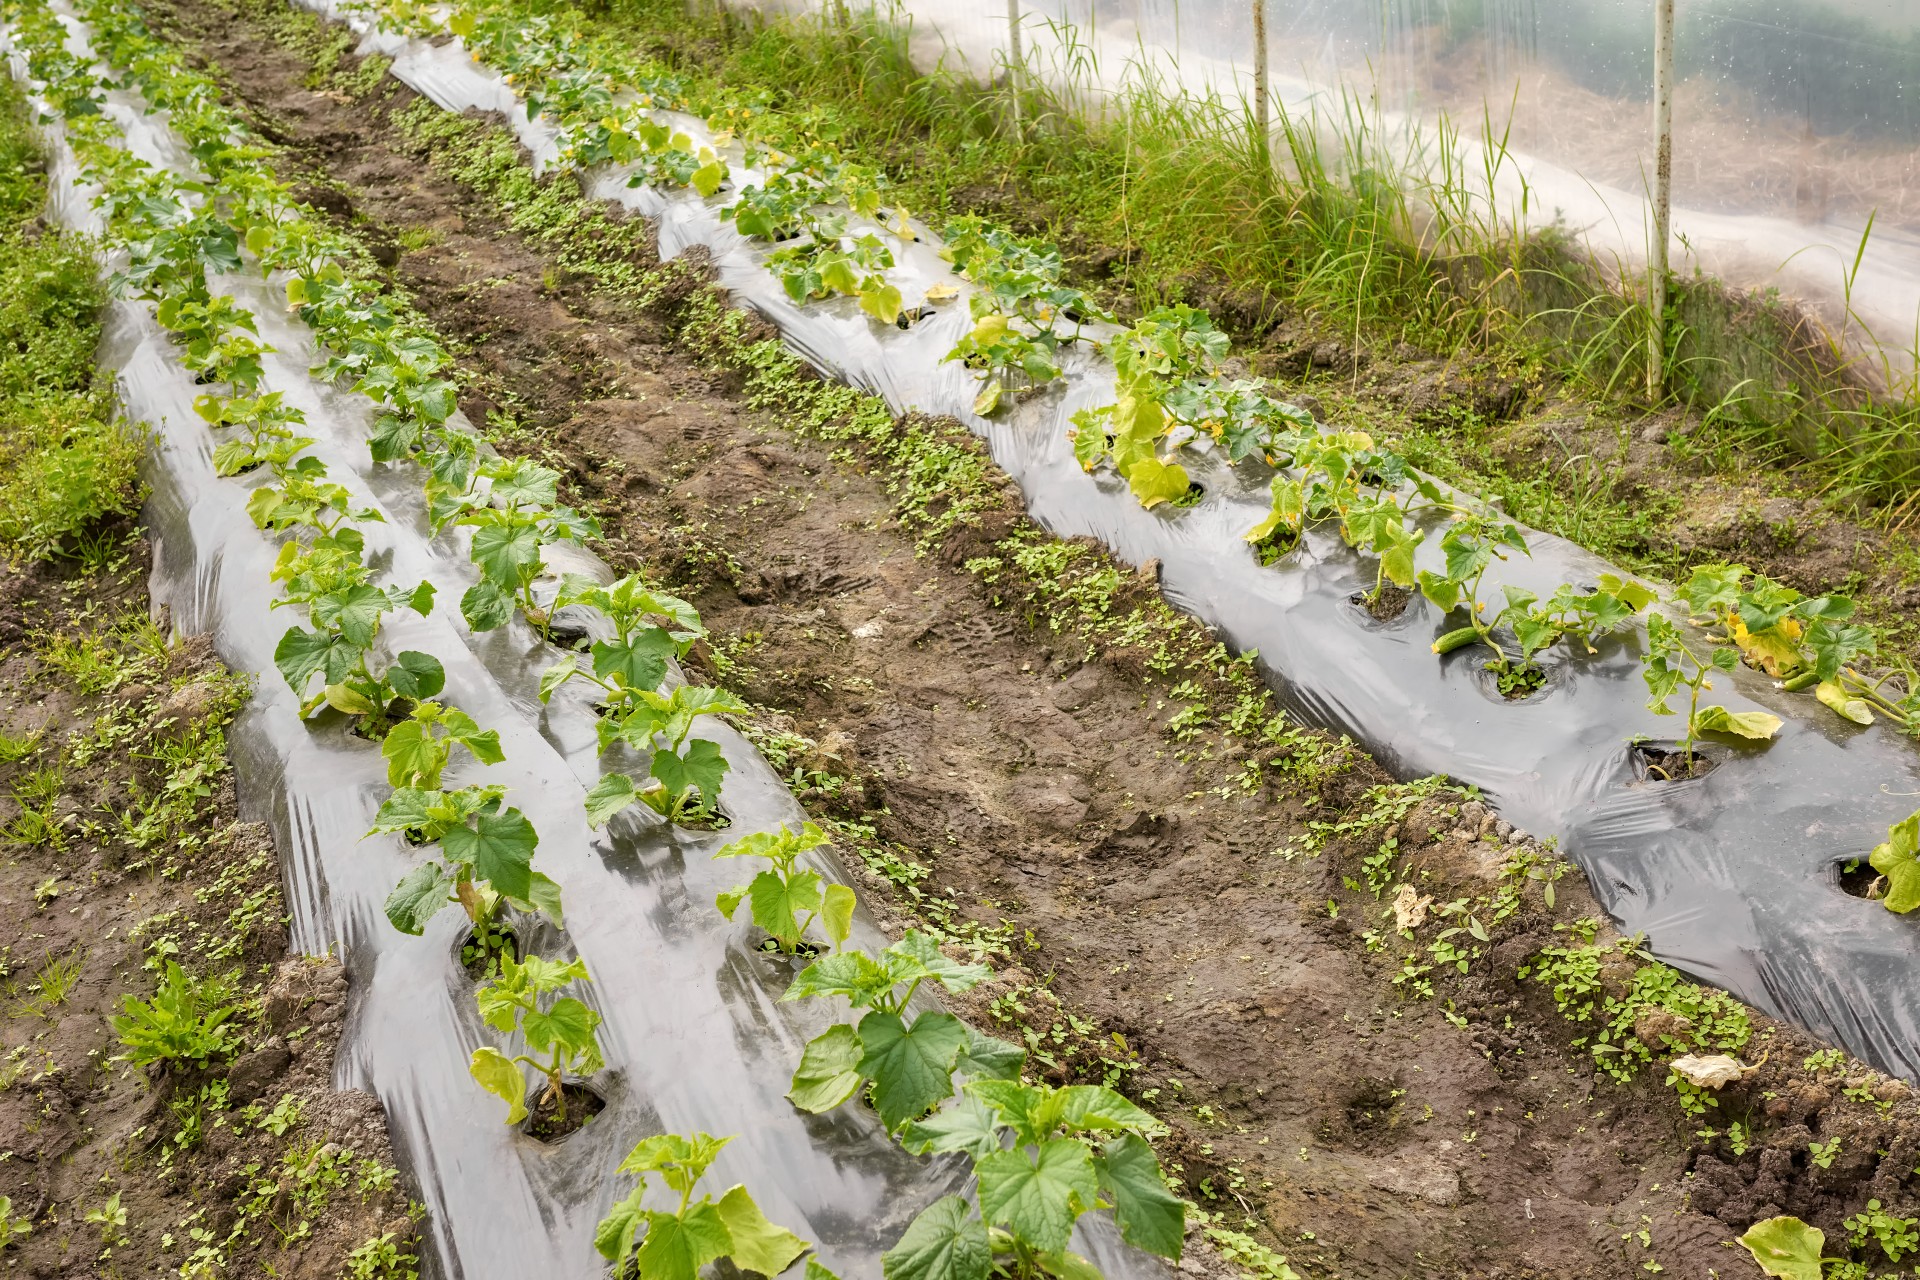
{"x": 559, "y": 1030}
{"x": 1670, "y": 665}
{"x": 1018, "y": 308}
{"x": 784, "y": 898}
{"x": 486, "y": 857}
{"x": 1808, "y": 643}
{"x": 636, "y": 658}
{"x": 905, "y": 1064}
{"x": 676, "y": 1243}
{"x": 684, "y": 774}
{"x": 1043, "y": 1158}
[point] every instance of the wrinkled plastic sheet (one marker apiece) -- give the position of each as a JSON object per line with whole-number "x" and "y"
{"x": 1733, "y": 876}
{"x": 693, "y": 1033}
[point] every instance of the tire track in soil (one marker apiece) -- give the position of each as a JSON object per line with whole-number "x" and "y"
{"x": 1040, "y": 788}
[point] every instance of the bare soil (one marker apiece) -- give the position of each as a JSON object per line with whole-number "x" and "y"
{"x": 992, "y": 769}
{"x": 251, "y": 1164}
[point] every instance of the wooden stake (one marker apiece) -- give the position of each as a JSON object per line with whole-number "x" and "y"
{"x": 1657, "y": 266}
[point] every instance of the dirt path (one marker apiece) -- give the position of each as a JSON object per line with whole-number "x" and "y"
{"x": 1194, "y": 906}
{"x": 120, "y": 855}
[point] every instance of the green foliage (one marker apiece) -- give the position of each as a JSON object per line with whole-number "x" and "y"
{"x": 487, "y": 856}
{"x": 1672, "y": 664}
{"x": 1898, "y": 859}
{"x": 785, "y": 898}
{"x": 65, "y": 462}
{"x": 1618, "y": 991}
{"x": 382, "y": 1258}
{"x": 525, "y": 997}
{"x": 1042, "y": 1158}
{"x": 12, "y": 1230}
{"x": 187, "y": 1021}
{"x": 676, "y": 1243}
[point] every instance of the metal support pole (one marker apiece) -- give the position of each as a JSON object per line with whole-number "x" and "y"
{"x": 1662, "y": 195}
{"x": 1262, "y": 108}
{"x": 1016, "y": 60}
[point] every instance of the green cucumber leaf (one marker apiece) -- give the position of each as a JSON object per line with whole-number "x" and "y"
{"x": 500, "y": 1076}
{"x": 486, "y": 606}
{"x": 1149, "y": 1215}
{"x": 945, "y": 1242}
{"x": 829, "y": 1071}
{"x": 758, "y": 1245}
{"x": 1786, "y": 1247}
{"x": 675, "y": 1248}
{"x": 969, "y": 1125}
{"x": 419, "y": 896}
{"x": 614, "y": 792}
{"x": 499, "y": 847}
{"x": 911, "y": 1065}
{"x": 1898, "y": 859}
{"x": 1037, "y": 1194}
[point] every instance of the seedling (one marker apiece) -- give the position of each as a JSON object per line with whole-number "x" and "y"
{"x": 12, "y": 1230}
{"x": 637, "y": 658}
{"x": 685, "y": 772}
{"x": 1671, "y": 663}
{"x": 562, "y": 1030}
{"x": 677, "y": 1243}
{"x": 488, "y": 853}
{"x": 1038, "y": 1170}
{"x": 908, "y": 1066}
{"x": 512, "y": 518}
{"x": 786, "y": 899}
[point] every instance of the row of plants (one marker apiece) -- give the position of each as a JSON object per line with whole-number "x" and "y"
{"x": 1175, "y": 391}
{"x": 1044, "y": 1156}
{"x": 178, "y": 233}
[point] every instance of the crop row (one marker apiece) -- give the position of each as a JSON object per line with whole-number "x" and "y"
{"x": 830, "y": 222}
{"x": 1043, "y": 1156}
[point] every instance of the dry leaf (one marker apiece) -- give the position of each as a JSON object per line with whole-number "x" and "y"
{"x": 1711, "y": 1070}
{"x": 1410, "y": 908}
{"x": 942, "y": 292}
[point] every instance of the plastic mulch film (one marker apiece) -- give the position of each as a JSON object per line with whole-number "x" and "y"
{"x": 1732, "y": 876}
{"x": 1794, "y": 120}
{"x": 693, "y": 1033}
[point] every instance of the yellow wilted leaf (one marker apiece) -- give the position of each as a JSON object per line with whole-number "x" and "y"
{"x": 1775, "y": 651}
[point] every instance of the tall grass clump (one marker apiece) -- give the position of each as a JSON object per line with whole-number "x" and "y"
{"x": 65, "y": 463}
{"x": 1382, "y": 234}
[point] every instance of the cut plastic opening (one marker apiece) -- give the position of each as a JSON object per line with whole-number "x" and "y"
{"x": 1663, "y": 762}
{"x": 1389, "y": 604}
{"x": 1857, "y": 878}
{"x": 482, "y": 946}
{"x": 549, "y": 1121}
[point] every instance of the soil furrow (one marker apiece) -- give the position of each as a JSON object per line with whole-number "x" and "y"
{"x": 1173, "y": 903}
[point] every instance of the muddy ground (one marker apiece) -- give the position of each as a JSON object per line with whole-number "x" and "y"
{"x": 120, "y": 852}
{"x": 1201, "y": 914}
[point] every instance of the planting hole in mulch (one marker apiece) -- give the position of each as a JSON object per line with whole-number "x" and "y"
{"x": 1665, "y": 762}
{"x": 481, "y": 949}
{"x": 1857, "y": 878}
{"x": 568, "y": 634}
{"x": 1388, "y": 604}
{"x": 544, "y": 1120}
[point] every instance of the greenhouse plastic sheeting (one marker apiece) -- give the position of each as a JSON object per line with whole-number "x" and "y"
{"x": 1732, "y": 876}
{"x": 1795, "y": 121}
{"x": 693, "y": 1033}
